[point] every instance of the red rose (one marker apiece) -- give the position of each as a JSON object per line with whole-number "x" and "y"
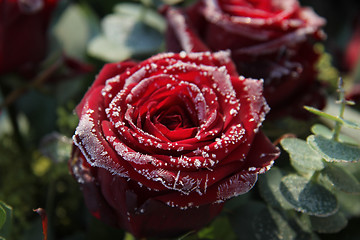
{"x": 162, "y": 144}
{"x": 268, "y": 39}
{"x": 352, "y": 49}
{"x": 23, "y": 32}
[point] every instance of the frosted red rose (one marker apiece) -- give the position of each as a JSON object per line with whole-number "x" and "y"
{"x": 268, "y": 39}
{"x": 163, "y": 143}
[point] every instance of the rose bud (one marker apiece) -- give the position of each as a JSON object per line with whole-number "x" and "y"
{"x": 270, "y": 40}
{"x": 163, "y": 143}
{"x": 23, "y": 33}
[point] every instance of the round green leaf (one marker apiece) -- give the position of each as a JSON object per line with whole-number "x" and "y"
{"x": 2, "y": 216}
{"x": 220, "y": 228}
{"x": 76, "y": 26}
{"x": 270, "y": 225}
{"x": 340, "y": 179}
{"x": 5, "y": 220}
{"x": 333, "y": 151}
{"x": 269, "y": 186}
{"x": 127, "y": 34}
{"x": 302, "y": 157}
{"x": 147, "y": 15}
{"x": 330, "y": 224}
{"x": 349, "y": 204}
{"x": 57, "y": 147}
{"x": 242, "y": 219}
{"x": 308, "y": 197}
{"x": 319, "y": 129}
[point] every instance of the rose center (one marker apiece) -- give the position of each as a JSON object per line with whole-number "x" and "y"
{"x": 174, "y": 117}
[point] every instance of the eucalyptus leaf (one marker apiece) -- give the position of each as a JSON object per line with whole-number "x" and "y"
{"x": 302, "y": 157}
{"x": 349, "y": 203}
{"x": 330, "y": 224}
{"x": 2, "y": 216}
{"x": 270, "y": 225}
{"x": 308, "y": 197}
{"x": 340, "y": 179}
{"x": 145, "y": 14}
{"x": 244, "y": 217}
{"x": 5, "y": 220}
{"x": 131, "y": 31}
{"x": 269, "y": 186}
{"x": 76, "y": 26}
{"x": 57, "y": 147}
{"x": 319, "y": 129}
{"x": 333, "y": 151}
{"x": 220, "y": 228}
{"x": 102, "y": 48}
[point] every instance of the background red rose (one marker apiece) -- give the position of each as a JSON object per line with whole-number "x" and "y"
{"x": 23, "y": 32}
{"x": 269, "y": 39}
{"x": 162, "y": 144}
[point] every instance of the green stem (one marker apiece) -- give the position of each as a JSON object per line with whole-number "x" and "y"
{"x": 50, "y": 205}
{"x": 315, "y": 176}
{"x": 342, "y": 102}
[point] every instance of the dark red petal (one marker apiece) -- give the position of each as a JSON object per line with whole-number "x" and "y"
{"x": 261, "y": 155}
{"x": 180, "y": 32}
{"x": 108, "y": 71}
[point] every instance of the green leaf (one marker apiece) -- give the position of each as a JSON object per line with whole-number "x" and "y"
{"x": 130, "y": 32}
{"x": 269, "y": 186}
{"x": 56, "y": 147}
{"x": 147, "y": 15}
{"x": 345, "y": 122}
{"x": 333, "y": 151}
{"x": 76, "y": 26}
{"x": 243, "y": 218}
{"x": 330, "y": 224}
{"x": 270, "y": 225}
{"x": 351, "y": 124}
{"x": 349, "y": 203}
{"x": 308, "y": 197}
{"x": 5, "y": 220}
{"x": 319, "y": 129}
{"x": 302, "y": 157}
{"x": 340, "y": 179}
{"x": 220, "y": 228}
{"x": 2, "y": 216}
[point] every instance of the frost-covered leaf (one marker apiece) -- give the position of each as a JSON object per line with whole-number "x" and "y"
{"x": 333, "y": 151}
{"x": 130, "y": 31}
{"x": 302, "y": 157}
{"x": 340, "y": 179}
{"x": 271, "y": 225}
{"x": 308, "y": 197}
{"x": 269, "y": 186}
{"x": 330, "y": 224}
{"x": 5, "y": 220}
{"x": 322, "y": 130}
